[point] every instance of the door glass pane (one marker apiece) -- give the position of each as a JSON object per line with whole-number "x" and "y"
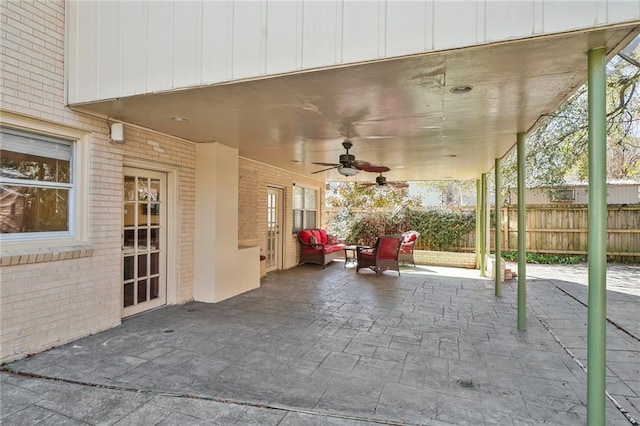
{"x": 128, "y": 267}
{"x": 128, "y": 294}
{"x": 129, "y": 214}
{"x": 142, "y": 240}
{"x": 154, "y": 239}
{"x": 129, "y": 243}
{"x": 155, "y": 263}
{"x": 129, "y": 188}
{"x": 154, "y": 190}
{"x": 142, "y": 291}
{"x": 155, "y": 288}
{"x": 142, "y": 265}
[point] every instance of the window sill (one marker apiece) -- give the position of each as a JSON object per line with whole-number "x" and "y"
{"x": 40, "y": 255}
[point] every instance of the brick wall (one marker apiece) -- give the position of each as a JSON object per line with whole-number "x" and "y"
{"x": 45, "y": 304}
{"x": 445, "y": 258}
{"x": 255, "y": 178}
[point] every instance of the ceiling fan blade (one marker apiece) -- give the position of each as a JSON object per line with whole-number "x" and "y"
{"x": 327, "y": 164}
{"x": 324, "y": 170}
{"x": 398, "y": 184}
{"x": 374, "y": 168}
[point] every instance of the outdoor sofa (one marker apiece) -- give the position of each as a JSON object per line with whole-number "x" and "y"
{"x": 318, "y": 247}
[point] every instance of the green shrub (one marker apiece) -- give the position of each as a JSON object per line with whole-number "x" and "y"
{"x": 440, "y": 229}
{"x": 543, "y": 258}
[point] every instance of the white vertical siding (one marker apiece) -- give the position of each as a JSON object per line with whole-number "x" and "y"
{"x": 561, "y": 15}
{"x": 509, "y": 20}
{"x": 249, "y": 34}
{"x": 217, "y": 36}
{"x": 454, "y": 24}
{"x": 283, "y": 46}
{"x": 134, "y": 47}
{"x": 407, "y": 28}
{"x": 110, "y": 76}
{"x": 321, "y": 33}
{"x": 122, "y": 48}
{"x": 187, "y": 42}
{"x": 361, "y": 37}
{"x": 159, "y": 54}
{"x": 87, "y": 52}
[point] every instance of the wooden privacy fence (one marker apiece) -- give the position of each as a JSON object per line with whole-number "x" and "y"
{"x": 563, "y": 229}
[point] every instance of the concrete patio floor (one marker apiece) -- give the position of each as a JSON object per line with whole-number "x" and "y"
{"x": 329, "y": 347}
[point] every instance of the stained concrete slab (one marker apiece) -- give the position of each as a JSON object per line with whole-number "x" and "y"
{"x": 329, "y": 347}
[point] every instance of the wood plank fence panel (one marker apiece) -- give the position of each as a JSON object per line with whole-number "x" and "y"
{"x": 563, "y": 229}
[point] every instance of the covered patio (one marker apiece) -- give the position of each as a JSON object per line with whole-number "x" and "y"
{"x": 434, "y": 346}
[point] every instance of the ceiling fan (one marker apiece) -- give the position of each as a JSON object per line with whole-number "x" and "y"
{"x": 381, "y": 182}
{"x": 349, "y": 166}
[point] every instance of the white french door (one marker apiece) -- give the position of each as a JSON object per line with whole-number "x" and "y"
{"x": 144, "y": 240}
{"x": 275, "y": 197}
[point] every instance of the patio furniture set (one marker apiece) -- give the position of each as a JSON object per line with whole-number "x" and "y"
{"x": 316, "y": 246}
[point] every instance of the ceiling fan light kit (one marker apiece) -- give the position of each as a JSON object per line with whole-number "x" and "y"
{"x": 347, "y": 171}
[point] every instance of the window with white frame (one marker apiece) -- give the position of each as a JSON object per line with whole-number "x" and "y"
{"x": 43, "y": 188}
{"x": 305, "y": 208}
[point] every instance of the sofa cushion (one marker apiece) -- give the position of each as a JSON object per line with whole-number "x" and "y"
{"x": 323, "y": 236}
{"x": 305, "y": 234}
{"x": 333, "y": 248}
{"x": 316, "y": 234}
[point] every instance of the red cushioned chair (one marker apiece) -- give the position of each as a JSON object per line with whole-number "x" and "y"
{"x": 409, "y": 239}
{"x": 382, "y": 257}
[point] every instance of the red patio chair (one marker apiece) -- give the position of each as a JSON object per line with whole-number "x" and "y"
{"x": 409, "y": 239}
{"x": 382, "y": 257}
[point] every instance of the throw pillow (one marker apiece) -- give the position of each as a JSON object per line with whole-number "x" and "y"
{"x": 312, "y": 240}
{"x": 332, "y": 239}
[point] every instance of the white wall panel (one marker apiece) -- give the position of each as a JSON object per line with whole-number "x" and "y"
{"x": 568, "y": 15}
{"x": 321, "y": 26}
{"x": 217, "y": 37}
{"x": 159, "y": 54}
{"x": 509, "y": 20}
{"x": 283, "y": 36}
{"x": 87, "y": 51}
{"x": 110, "y": 75}
{"x": 406, "y": 27}
{"x": 454, "y": 24}
{"x": 621, "y": 10}
{"x": 361, "y": 38}
{"x": 187, "y": 44}
{"x": 134, "y": 47}
{"x": 248, "y": 38}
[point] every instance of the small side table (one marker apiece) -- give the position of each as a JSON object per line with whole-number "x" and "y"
{"x": 350, "y": 255}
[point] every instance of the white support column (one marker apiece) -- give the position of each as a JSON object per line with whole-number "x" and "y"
{"x": 221, "y": 270}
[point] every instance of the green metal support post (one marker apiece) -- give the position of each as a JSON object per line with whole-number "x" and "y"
{"x": 498, "y": 230}
{"x": 478, "y": 203}
{"x": 522, "y": 237}
{"x": 483, "y": 225}
{"x": 597, "y": 239}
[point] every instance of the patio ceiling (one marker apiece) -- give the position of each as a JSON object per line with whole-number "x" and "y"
{"x": 401, "y": 113}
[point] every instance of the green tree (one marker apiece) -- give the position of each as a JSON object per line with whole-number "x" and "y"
{"x": 557, "y": 150}
{"x": 353, "y": 195}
